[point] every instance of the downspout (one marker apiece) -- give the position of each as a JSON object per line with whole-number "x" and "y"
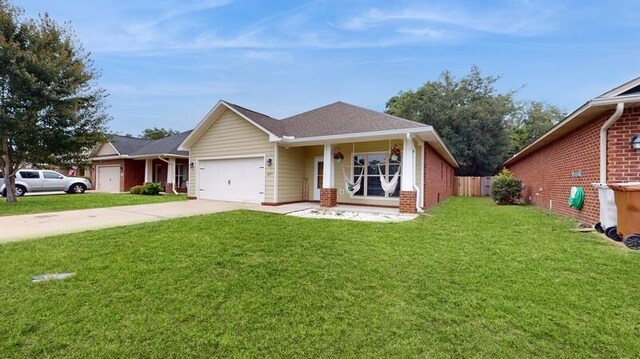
{"x": 603, "y": 140}
{"x": 169, "y": 164}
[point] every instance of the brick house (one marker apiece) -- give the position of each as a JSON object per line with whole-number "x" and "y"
{"x": 123, "y": 162}
{"x": 245, "y": 156}
{"x": 591, "y": 145}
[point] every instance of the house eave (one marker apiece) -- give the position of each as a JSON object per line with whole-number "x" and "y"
{"x": 138, "y": 157}
{"x": 578, "y": 118}
{"x": 425, "y": 133}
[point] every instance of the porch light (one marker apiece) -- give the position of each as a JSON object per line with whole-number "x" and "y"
{"x": 269, "y": 162}
{"x": 191, "y": 165}
{"x": 635, "y": 142}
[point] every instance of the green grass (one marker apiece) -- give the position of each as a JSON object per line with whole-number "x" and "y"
{"x": 66, "y": 202}
{"x": 471, "y": 280}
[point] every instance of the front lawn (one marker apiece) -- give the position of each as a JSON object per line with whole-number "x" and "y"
{"x": 66, "y": 202}
{"x": 471, "y": 280}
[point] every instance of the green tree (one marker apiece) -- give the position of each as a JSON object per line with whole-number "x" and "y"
{"x": 50, "y": 113}
{"x": 157, "y": 133}
{"x": 470, "y": 115}
{"x": 530, "y": 121}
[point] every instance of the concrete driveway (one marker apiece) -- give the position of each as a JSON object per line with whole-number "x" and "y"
{"x": 29, "y": 226}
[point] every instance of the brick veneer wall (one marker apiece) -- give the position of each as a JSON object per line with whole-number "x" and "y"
{"x": 408, "y": 202}
{"x": 548, "y": 173}
{"x": 133, "y": 174}
{"x": 328, "y": 197}
{"x": 438, "y": 177}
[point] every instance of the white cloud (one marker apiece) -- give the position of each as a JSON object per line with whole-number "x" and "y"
{"x": 519, "y": 18}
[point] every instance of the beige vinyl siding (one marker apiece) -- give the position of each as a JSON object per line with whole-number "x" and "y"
{"x": 231, "y": 136}
{"x": 291, "y": 173}
{"x": 107, "y": 149}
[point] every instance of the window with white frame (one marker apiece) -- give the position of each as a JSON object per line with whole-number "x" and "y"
{"x": 371, "y": 164}
{"x": 179, "y": 175}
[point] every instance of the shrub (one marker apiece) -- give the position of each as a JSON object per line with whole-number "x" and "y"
{"x": 151, "y": 188}
{"x": 506, "y": 188}
{"x": 136, "y": 190}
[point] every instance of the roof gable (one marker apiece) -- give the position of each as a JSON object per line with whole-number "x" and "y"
{"x": 267, "y": 124}
{"x": 628, "y": 88}
{"x": 106, "y": 149}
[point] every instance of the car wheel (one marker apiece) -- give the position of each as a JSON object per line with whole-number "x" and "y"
{"x": 20, "y": 191}
{"x": 632, "y": 242}
{"x": 77, "y": 188}
{"x": 4, "y": 193}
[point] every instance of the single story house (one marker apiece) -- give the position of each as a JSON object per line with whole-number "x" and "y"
{"x": 591, "y": 145}
{"x": 123, "y": 162}
{"x": 242, "y": 155}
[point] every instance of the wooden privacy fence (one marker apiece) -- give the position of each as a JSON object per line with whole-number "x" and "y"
{"x": 473, "y": 186}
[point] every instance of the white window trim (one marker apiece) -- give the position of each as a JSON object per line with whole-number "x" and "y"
{"x": 182, "y": 175}
{"x": 364, "y": 179}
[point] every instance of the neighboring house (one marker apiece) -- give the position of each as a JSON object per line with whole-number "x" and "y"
{"x": 570, "y": 154}
{"x": 124, "y": 162}
{"x": 241, "y": 155}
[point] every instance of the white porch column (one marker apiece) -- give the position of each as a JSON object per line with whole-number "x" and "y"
{"x": 171, "y": 171}
{"x": 148, "y": 170}
{"x": 327, "y": 173}
{"x": 408, "y": 178}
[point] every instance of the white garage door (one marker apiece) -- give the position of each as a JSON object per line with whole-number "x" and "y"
{"x": 108, "y": 178}
{"x": 235, "y": 180}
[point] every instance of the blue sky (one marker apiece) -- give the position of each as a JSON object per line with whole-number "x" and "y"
{"x": 165, "y": 63}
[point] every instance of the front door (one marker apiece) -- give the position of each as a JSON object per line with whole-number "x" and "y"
{"x": 318, "y": 170}
{"x": 157, "y": 173}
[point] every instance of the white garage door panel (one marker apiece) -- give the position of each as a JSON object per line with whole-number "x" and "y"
{"x": 108, "y": 178}
{"x": 235, "y": 180}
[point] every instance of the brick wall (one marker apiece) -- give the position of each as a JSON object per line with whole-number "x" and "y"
{"x": 548, "y": 173}
{"x": 407, "y": 202}
{"x": 133, "y": 174}
{"x": 623, "y": 161}
{"x": 328, "y": 197}
{"x": 438, "y": 177}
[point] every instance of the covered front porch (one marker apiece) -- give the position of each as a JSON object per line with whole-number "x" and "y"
{"x": 170, "y": 172}
{"x": 357, "y": 173}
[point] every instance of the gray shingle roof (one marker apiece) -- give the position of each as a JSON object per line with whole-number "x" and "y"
{"x": 164, "y": 146}
{"x": 127, "y": 145}
{"x": 133, "y": 146}
{"x": 267, "y": 122}
{"x": 335, "y": 119}
{"x": 343, "y": 118}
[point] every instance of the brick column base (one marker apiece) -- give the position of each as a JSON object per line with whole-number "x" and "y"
{"x": 407, "y": 202}
{"x": 168, "y": 187}
{"x": 328, "y": 197}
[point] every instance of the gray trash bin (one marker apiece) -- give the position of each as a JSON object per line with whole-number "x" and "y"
{"x": 608, "y": 211}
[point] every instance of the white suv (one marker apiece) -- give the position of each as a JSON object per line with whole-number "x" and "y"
{"x": 46, "y": 181}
